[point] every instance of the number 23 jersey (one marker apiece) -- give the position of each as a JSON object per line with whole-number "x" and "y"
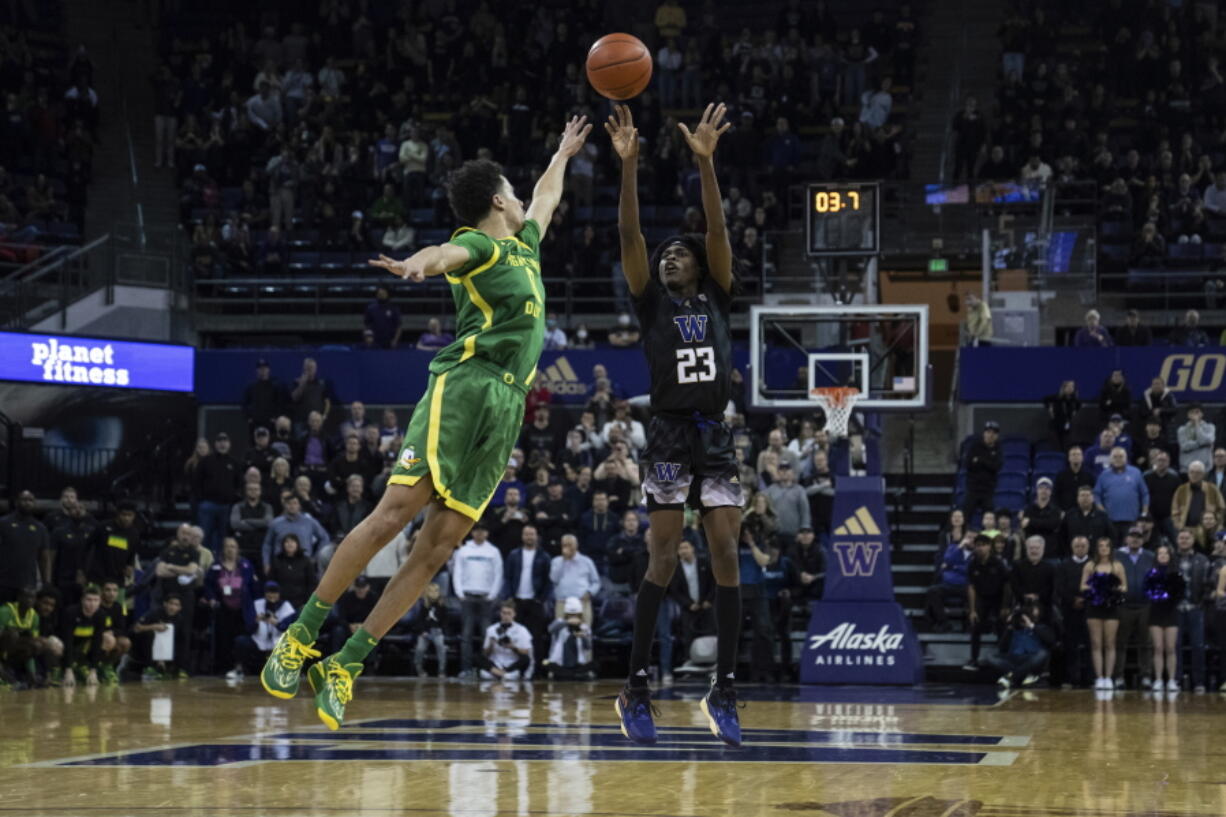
{"x": 688, "y": 344}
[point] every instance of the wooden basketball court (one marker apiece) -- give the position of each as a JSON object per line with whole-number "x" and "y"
{"x": 427, "y": 748}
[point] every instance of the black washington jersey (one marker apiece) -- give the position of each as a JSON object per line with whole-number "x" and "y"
{"x": 688, "y": 344}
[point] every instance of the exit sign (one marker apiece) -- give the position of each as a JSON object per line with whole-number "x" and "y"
{"x": 938, "y": 265}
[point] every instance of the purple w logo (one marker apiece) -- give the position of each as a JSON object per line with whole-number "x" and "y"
{"x": 857, "y": 558}
{"x": 692, "y": 327}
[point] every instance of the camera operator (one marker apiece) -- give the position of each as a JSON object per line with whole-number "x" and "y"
{"x": 1024, "y": 648}
{"x": 508, "y": 647}
{"x": 570, "y": 651}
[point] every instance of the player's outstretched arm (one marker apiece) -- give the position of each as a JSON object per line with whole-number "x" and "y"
{"x": 703, "y": 141}
{"x": 548, "y": 191}
{"x": 625, "y": 136}
{"x": 425, "y": 263}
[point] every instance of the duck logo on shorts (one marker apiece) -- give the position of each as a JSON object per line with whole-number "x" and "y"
{"x": 407, "y": 459}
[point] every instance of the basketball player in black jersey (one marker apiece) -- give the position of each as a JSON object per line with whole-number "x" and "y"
{"x": 683, "y": 296}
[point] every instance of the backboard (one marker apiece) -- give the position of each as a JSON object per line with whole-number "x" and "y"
{"x": 880, "y": 349}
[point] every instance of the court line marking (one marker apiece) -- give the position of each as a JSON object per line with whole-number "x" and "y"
{"x": 998, "y": 759}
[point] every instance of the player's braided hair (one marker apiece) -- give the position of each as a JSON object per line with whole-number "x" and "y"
{"x": 696, "y": 243}
{"x": 470, "y": 188}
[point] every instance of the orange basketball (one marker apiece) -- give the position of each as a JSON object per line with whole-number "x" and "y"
{"x": 619, "y": 66}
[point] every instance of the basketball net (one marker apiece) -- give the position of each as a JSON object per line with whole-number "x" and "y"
{"x": 838, "y": 402}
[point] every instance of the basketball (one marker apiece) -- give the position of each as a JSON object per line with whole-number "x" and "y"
{"x": 619, "y": 66}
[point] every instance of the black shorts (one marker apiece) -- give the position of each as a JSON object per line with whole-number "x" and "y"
{"x": 690, "y": 462}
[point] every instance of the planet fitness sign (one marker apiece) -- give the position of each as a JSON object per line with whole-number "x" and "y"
{"x": 76, "y": 361}
{"x": 858, "y": 633}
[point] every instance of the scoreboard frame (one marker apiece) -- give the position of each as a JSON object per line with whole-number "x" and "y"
{"x": 841, "y": 200}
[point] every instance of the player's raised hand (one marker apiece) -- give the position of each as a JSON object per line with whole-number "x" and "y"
{"x": 574, "y": 136}
{"x": 712, "y": 126}
{"x": 621, "y": 130}
{"x": 408, "y": 269}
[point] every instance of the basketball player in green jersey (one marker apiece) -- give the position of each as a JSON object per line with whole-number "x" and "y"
{"x": 463, "y": 429}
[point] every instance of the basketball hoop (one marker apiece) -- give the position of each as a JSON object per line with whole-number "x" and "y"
{"x": 838, "y": 402}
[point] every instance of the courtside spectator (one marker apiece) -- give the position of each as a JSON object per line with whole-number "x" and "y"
{"x": 430, "y": 624}
{"x": 1032, "y": 579}
{"x": 1194, "y": 567}
{"x": 1196, "y": 438}
{"x": 983, "y": 463}
{"x": 987, "y": 578}
{"x": 293, "y": 571}
{"x": 508, "y": 649}
{"x": 574, "y": 576}
{"x": 272, "y": 615}
{"x": 1134, "y": 612}
{"x": 951, "y": 582}
{"x": 1023, "y": 651}
{"x": 23, "y": 541}
{"x": 230, "y": 590}
{"x": 526, "y": 581}
{"x": 477, "y": 572}
{"x": 1071, "y": 479}
{"x": 353, "y": 607}
{"x": 1071, "y": 604}
{"x": 570, "y": 647}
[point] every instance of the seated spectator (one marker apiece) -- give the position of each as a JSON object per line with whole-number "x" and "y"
{"x": 951, "y": 582}
{"x": 1093, "y": 333}
{"x": 1217, "y": 474}
{"x": 1196, "y": 438}
{"x": 507, "y": 652}
{"x": 293, "y": 571}
{"x": 1149, "y": 250}
{"x": 1024, "y": 649}
{"x": 399, "y": 237}
{"x": 1189, "y": 332}
{"x": 159, "y": 620}
{"x": 1194, "y": 498}
{"x": 230, "y": 590}
{"x": 953, "y": 531}
{"x": 555, "y": 336}
{"x": 434, "y": 338}
{"x": 570, "y": 648}
{"x": 1157, "y": 401}
{"x": 272, "y": 615}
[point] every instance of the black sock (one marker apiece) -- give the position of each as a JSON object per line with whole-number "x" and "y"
{"x": 646, "y": 609}
{"x": 728, "y": 627}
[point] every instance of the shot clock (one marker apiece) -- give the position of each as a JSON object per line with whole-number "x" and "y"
{"x": 843, "y": 218}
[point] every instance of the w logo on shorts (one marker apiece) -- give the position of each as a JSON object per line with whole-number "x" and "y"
{"x": 693, "y": 328}
{"x": 667, "y": 471}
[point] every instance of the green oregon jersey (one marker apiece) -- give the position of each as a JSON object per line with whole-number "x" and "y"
{"x": 11, "y": 617}
{"x": 500, "y": 303}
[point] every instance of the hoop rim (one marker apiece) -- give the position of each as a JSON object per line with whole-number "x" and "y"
{"x": 838, "y": 396}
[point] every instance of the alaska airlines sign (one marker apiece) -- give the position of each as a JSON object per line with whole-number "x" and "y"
{"x": 1004, "y": 375}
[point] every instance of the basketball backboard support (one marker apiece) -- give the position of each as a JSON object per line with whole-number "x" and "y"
{"x": 880, "y": 349}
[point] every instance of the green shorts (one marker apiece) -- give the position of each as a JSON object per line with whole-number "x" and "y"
{"x": 462, "y": 434}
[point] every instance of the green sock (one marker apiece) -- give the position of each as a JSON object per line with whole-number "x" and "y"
{"x": 357, "y": 647}
{"x": 313, "y": 614}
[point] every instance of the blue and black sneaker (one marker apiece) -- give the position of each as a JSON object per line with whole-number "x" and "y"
{"x": 635, "y": 710}
{"x": 719, "y": 705}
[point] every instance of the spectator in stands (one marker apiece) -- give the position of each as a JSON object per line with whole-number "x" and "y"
{"x": 1093, "y": 333}
{"x": 951, "y": 582}
{"x": 1071, "y": 604}
{"x": 508, "y": 649}
{"x": 352, "y": 461}
{"x": 596, "y": 528}
{"x": 1158, "y": 401}
{"x": 970, "y": 134}
{"x": 356, "y": 422}
{"x": 309, "y": 533}
{"x": 1115, "y": 398}
{"x": 1163, "y": 482}
{"x": 818, "y": 484}
{"x": 1084, "y": 519}
{"x": 1196, "y": 438}
{"x": 983, "y": 462}
{"x": 953, "y": 531}
{"x": 1024, "y": 648}
{"x": 429, "y": 624}
{"x": 618, "y": 475}
{"x": 264, "y": 399}
{"x": 631, "y": 429}
{"x": 1194, "y": 568}
{"x": 1189, "y": 332}
{"x": 1149, "y": 250}
{"x": 625, "y": 333}
{"x": 978, "y": 320}
{"x": 1098, "y": 456}
{"x": 1074, "y": 475}
{"x": 261, "y": 455}
{"x": 790, "y": 503}
{"x": 1134, "y": 612}
{"x": 1042, "y": 518}
{"x": 554, "y": 515}
{"x": 434, "y": 338}
{"x": 272, "y": 615}
{"x": 627, "y": 553}
{"x": 987, "y": 578}
{"x": 311, "y": 393}
{"x": 217, "y": 484}
{"x": 1036, "y": 173}
{"x": 249, "y": 521}
{"x": 1133, "y": 333}
{"x": 383, "y": 318}
{"x": 508, "y": 520}
{"x": 264, "y": 109}
{"x": 1121, "y": 492}
{"x": 526, "y": 579}
{"x": 229, "y": 589}
{"x": 555, "y": 336}
{"x": 1194, "y": 498}
{"x": 1152, "y": 439}
{"x": 574, "y": 575}
{"x": 692, "y": 591}
{"x": 776, "y": 445}
{"x": 1217, "y": 474}
{"x": 1062, "y": 408}
{"x": 477, "y": 580}
{"x": 1116, "y": 425}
